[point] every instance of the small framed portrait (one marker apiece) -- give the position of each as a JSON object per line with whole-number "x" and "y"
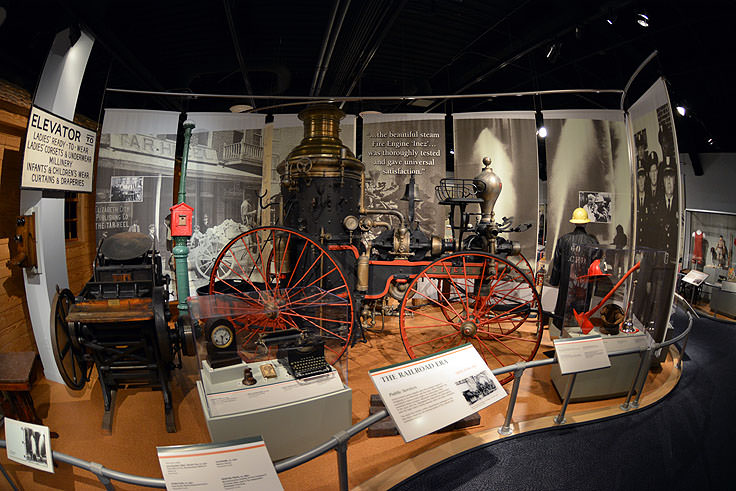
{"x": 597, "y": 204}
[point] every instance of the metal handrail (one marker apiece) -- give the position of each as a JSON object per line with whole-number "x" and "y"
{"x": 339, "y": 441}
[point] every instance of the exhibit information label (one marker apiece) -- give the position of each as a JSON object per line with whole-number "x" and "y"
{"x": 695, "y": 277}
{"x": 28, "y": 444}
{"x": 429, "y": 393}
{"x": 251, "y": 398}
{"x": 581, "y": 354}
{"x": 58, "y": 154}
{"x": 237, "y": 464}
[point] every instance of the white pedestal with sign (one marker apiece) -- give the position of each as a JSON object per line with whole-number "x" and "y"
{"x": 322, "y": 407}
{"x": 606, "y": 382}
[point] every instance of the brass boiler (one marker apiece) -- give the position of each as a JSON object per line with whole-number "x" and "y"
{"x": 321, "y": 178}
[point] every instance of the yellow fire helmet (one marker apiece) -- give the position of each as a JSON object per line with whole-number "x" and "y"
{"x": 579, "y": 216}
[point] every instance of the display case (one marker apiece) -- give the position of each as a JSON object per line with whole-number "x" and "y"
{"x": 710, "y": 238}
{"x": 612, "y": 295}
{"x": 709, "y": 243}
{"x": 260, "y": 377}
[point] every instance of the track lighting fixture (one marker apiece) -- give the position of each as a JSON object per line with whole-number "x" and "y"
{"x": 642, "y": 19}
{"x": 553, "y": 52}
{"x": 681, "y": 110}
{"x": 541, "y": 130}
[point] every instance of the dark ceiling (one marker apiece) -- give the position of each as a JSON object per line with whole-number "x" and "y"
{"x": 387, "y": 48}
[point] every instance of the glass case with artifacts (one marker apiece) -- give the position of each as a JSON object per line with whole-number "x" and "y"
{"x": 710, "y": 239}
{"x": 267, "y": 362}
{"x": 605, "y": 299}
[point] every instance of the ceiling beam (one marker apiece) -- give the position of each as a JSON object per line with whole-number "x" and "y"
{"x": 366, "y": 60}
{"x": 238, "y": 51}
{"x": 563, "y": 25}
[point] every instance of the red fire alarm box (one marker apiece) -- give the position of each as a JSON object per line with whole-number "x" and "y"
{"x": 181, "y": 220}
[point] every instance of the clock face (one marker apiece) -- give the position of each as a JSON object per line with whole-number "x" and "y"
{"x": 222, "y": 336}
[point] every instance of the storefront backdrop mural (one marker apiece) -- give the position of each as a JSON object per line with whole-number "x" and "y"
{"x": 135, "y": 180}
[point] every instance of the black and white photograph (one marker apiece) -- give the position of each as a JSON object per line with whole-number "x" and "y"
{"x": 587, "y": 154}
{"x": 598, "y": 205}
{"x": 509, "y": 140}
{"x": 28, "y": 444}
{"x": 477, "y": 387}
{"x": 126, "y": 188}
{"x": 223, "y": 181}
{"x": 658, "y": 212}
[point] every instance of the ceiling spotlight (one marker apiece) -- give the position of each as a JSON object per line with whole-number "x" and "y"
{"x": 681, "y": 110}
{"x": 642, "y": 19}
{"x": 710, "y": 141}
{"x": 452, "y": 152}
{"x": 539, "y": 119}
{"x": 611, "y": 20}
{"x": 553, "y": 52}
{"x": 240, "y": 108}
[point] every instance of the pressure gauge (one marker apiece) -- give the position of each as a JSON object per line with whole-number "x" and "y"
{"x": 350, "y": 223}
{"x": 222, "y": 335}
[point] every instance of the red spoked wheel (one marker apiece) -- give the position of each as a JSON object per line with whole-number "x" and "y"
{"x": 477, "y": 298}
{"x": 521, "y": 264}
{"x": 275, "y": 278}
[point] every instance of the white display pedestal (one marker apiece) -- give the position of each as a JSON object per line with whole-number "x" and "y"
{"x": 288, "y": 428}
{"x": 606, "y": 382}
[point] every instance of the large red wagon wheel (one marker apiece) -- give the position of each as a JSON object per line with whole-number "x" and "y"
{"x": 521, "y": 264}
{"x": 472, "y": 297}
{"x": 275, "y": 278}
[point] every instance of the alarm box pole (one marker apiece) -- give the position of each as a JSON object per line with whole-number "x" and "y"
{"x": 181, "y": 227}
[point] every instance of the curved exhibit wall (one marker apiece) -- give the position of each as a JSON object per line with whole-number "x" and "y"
{"x": 588, "y": 167}
{"x": 588, "y": 163}
{"x": 658, "y": 201}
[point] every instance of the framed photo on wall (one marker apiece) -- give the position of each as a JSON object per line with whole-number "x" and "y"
{"x": 599, "y": 205}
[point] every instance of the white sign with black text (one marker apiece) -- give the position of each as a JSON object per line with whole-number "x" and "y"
{"x": 429, "y": 393}
{"x": 237, "y": 464}
{"x": 695, "y": 277}
{"x": 581, "y": 354}
{"x": 58, "y": 154}
{"x": 28, "y": 444}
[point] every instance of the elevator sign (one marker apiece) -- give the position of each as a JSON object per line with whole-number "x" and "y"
{"x": 58, "y": 154}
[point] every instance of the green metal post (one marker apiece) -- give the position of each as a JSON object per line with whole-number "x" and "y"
{"x": 181, "y": 251}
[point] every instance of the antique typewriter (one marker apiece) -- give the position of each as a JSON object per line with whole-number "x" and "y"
{"x": 301, "y": 354}
{"x": 307, "y": 361}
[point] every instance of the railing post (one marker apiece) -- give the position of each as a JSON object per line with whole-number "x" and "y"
{"x": 684, "y": 342}
{"x": 342, "y": 459}
{"x": 637, "y": 374}
{"x": 96, "y": 469}
{"x": 506, "y": 428}
{"x": 7, "y": 477}
{"x": 645, "y": 370}
{"x": 560, "y": 418}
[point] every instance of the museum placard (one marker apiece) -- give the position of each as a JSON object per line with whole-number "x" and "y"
{"x": 581, "y": 354}
{"x": 58, "y": 154}
{"x": 238, "y": 464}
{"x": 429, "y": 393}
